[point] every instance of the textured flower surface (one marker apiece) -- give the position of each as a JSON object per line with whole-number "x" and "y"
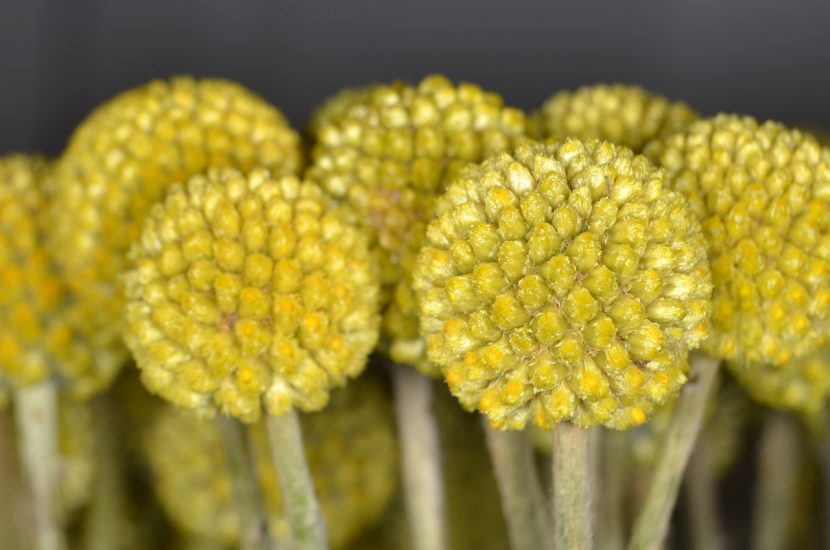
{"x": 761, "y": 194}
{"x": 250, "y": 291}
{"x": 37, "y": 316}
{"x": 125, "y": 154}
{"x": 619, "y": 113}
{"x": 351, "y": 451}
{"x": 387, "y": 151}
{"x": 563, "y": 283}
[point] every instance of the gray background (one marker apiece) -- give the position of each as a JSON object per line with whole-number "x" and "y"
{"x": 60, "y": 58}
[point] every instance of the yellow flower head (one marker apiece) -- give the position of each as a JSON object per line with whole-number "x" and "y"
{"x": 37, "y": 315}
{"x": 386, "y": 150}
{"x": 563, "y": 283}
{"x": 250, "y": 291}
{"x": 619, "y": 113}
{"x": 761, "y": 194}
{"x": 125, "y": 154}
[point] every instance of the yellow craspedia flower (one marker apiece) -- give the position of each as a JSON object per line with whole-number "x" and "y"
{"x": 334, "y": 108}
{"x": 563, "y": 283}
{"x": 351, "y": 451}
{"x": 386, "y": 150}
{"x": 801, "y": 385}
{"x": 619, "y": 113}
{"x": 37, "y": 340}
{"x": 125, "y": 154}
{"x": 250, "y": 291}
{"x": 761, "y": 194}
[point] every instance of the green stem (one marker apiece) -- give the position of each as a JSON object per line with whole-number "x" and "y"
{"x": 299, "y": 499}
{"x": 614, "y": 471}
{"x": 652, "y": 524}
{"x": 521, "y": 494}
{"x": 702, "y": 499}
{"x": 37, "y": 424}
{"x": 779, "y": 463}
{"x": 420, "y": 459}
{"x": 573, "y": 507}
{"x": 253, "y": 527}
{"x": 13, "y": 501}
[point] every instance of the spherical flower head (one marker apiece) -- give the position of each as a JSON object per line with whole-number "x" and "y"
{"x": 38, "y": 340}
{"x": 761, "y": 194}
{"x": 801, "y": 385}
{"x": 619, "y": 113}
{"x": 250, "y": 291}
{"x": 387, "y": 152}
{"x": 563, "y": 283}
{"x": 350, "y": 447}
{"x": 121, "y": 159}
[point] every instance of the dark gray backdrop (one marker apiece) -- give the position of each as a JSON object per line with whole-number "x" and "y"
{"x": 59, "y": 58}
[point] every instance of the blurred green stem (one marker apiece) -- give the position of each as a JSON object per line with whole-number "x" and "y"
{"x": 300, "y": 501}
{"x": 573, "y": 486}
{"x": 37, "y": 424}
{"x": 779, "y": 463}
{"x": 702, "y": 499}
{"x": 521, "y": 494}
{"x": 652, "y": 524}
{"x": 420, "y": 459}
{"x": 253, "y": 527}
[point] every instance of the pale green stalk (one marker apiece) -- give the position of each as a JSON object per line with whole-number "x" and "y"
{"x": 573, "y": 486}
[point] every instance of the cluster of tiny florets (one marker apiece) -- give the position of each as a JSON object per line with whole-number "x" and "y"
{"x": 38, "y": 339}
{"x": 619, "y": 113}
{"x": 122, "y": 158}
{"x": 250, "y": 291}
{"x": 387, "y": 150}
{"x": 761, "y": 193}
{"x": 563, "y": 283}
{"x": 351, "y": 451}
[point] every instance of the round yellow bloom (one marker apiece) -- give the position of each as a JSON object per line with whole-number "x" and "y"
{"x": 350, "y": 447}
{"x": 761, "y": 194}
{"x": 125, "y": 154}
{"x": 250, "y": 291}
{"x": 619, "y": 113}
{"x": 37, "y": 340}
{"x": 387, "y": 151}
{"x": 563, "y": 283}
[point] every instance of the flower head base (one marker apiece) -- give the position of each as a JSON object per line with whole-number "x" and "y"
{"x": 250, "y": 291}
{"x": 123, "y": 157}
{"x": 622, "y": 114}
{"x": 350, "y": 448}
{"x": 761, "y": 194}
{"x": 563, "y": 283}
{"x": 38, "y": 340}
{"x": 387, "y": 150}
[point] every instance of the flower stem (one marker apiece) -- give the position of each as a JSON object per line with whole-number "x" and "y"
{"x": 420, "y": 459}
{"x": 614, "y": 472}
{"x": 521, "y": 494}
{"x": 652, "y": 524}
{"x": 253, "y": 529}
{"x": 37, "y": 424}
{"x": 299, "y": 499}
{"x": 701, "y": 493}
{"x": 14, "y": 503}
{"x": 779, "y": 463}
{"x": 573, "y": 502}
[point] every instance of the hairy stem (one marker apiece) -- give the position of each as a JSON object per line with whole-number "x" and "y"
{"x": 614, "y": 472}
{"x": 420, "y": 459}
{"x": 702, "y": 499}
{"x": 253, "y": 529}
{"x": 652, "y": 524}
{"x": 521, "y": 494}
{"x": 299, "y": 499}
{"x": 37, "y": 424}
{"x": 573, "y": 502}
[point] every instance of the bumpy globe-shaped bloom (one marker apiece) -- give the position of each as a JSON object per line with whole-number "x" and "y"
{"x": 619, "y": 113}
{"x": 761, "y": 193}
{"x": 334, "y": 108}
{"x": 350, "y": 447}
{"x": 564, "y": 282}
{"x": 387, "y": 152}
{"x": 250, "y": 291}
{"x": 125, "y": 154}
{"x": 37, "y": 314}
